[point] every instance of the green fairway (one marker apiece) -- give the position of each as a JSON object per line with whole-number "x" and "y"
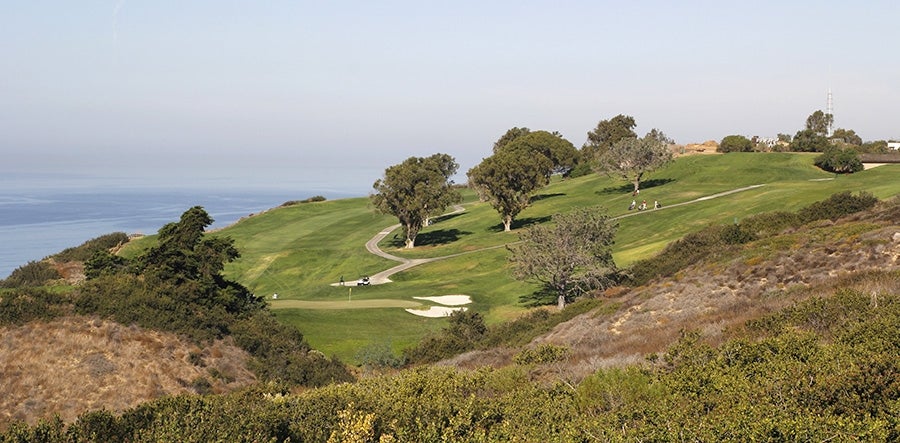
{"x": 298, "y": 252}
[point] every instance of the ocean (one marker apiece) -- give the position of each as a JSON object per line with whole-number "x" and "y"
{"x": 41, "y": 215}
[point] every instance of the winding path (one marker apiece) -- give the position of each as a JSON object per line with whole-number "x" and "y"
{"x": 406, "y": 263}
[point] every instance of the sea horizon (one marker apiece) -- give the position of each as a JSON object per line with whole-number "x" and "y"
{"x": 42, "y": 214}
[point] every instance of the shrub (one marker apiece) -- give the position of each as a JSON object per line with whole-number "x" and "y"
{"x": 88, "y": 248}
{"x": 379, "y": 356}
{"x": 545, "y": 353}
{"x": 770, "y": 223}
{"x": 281, "y": 353}
{"x": 31, "y": 274}
{"x": 21, "y": 306}
{"x": 840, "y": 161}
{"x": 837, "y": 206}
{"x": 317, "y": 198}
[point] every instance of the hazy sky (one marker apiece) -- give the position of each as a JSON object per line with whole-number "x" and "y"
{"x": 340, "y": 90}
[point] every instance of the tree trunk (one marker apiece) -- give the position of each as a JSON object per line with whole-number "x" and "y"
{"x": 410, "y": 243}
{"x": 561, "y": 302}
{"x": 507, "y": 222}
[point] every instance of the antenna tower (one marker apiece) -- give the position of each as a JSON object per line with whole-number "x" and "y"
{"x": 830, "y": 112}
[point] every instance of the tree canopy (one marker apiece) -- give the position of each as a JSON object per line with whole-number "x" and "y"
{"x": 415, "y": 190}
{"x": 562, "y": 154}
{"x": 808, "y": 140}
{"x": 819, "y": 122}
{"x": 507, "y": 180}
{"x": 631, "y": 158}
{"x": 570, "y": 256}
{"x": 847, "y": 136}
{"x": 510, "y": 135}
{"x": 735, "y": 143}
{"x": 607, "y": 133}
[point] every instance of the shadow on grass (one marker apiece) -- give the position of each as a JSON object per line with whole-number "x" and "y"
{"x": 443, "y": 218}
{"x": 542, "y": 297}
{"x": 432, "y": 238}
{"x": 520, "y": 223}
{"x": 546, "y": 196}
{"x": 628, "y": 187}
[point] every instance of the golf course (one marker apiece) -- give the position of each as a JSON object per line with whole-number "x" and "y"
{"x": 302, "y": 252}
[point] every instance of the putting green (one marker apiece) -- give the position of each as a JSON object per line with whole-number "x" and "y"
{"x": 343, "y": 304}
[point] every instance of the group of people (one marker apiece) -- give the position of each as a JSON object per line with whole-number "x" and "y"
{"x": 643, "y": 205}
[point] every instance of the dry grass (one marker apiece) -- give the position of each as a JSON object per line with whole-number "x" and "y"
{"x": 77, "y": 364}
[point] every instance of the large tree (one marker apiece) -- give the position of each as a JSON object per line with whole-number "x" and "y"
{"x": 416, "y": 189}
{"x": 510, "y": 135}
{"x": 562, "y": 154}
{"x": 819, "y": 122}
{"x": 607, "y": 133}
{"x": 631, "y": 158}
{"x": 847, "y": 136}
{"x": 507, "y": 180}
{"x": 808, "y": 140}
{"x": 570, "y": 256}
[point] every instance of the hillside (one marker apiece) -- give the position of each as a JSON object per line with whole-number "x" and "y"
{"x": 718, "y": 295}
{"x": 74, "y": 364}
{"x": 299, "y": 252}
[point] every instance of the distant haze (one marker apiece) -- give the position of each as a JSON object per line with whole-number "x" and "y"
{"x": 268, "y": 91}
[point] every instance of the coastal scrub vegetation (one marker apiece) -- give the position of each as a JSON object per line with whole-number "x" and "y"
{"x": 823, "y": 369}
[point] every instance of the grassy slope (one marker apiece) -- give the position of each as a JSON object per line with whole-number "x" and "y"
{"x": 298, "y": 251}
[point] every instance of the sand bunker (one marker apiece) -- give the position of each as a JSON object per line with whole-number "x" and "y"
{"x": 448, "y": 300}
{"x": 441, "y": 311}
{"x": 434, "y": 311}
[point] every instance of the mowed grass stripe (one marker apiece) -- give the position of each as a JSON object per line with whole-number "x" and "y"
{"x": 344, "y": 304}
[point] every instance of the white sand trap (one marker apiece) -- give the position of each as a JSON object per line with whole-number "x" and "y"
{"x": 434, "y": 311}
{"x": 448, "y": 300}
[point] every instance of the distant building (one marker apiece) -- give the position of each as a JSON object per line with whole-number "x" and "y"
{"x": 769, "y": 142}
{"x": 894, "y": 145}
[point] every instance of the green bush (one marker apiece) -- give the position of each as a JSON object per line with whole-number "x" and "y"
{"x": 545, "y": 353}
{"x": 20, "y": 306}
{"x": 768, "y": 224}
{"x": 280, "y": 353}
{"x": 317, "y": 198}
{"x": 377, "y": 356}
{"x": 837, "y": 206}
{"x": 840, "y": 161}
{"x": 465, "y": 330}
{"x": 735, "y": 143}
{"x": 88, "y": 248}
{"x": 31, "y": 274}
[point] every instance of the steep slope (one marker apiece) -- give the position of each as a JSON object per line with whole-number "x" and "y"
{"x": 72, "y": 365}
{"x": 714, "y": 296}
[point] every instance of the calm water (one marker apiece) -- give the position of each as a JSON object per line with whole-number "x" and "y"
{"x": 40, "y": 216}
